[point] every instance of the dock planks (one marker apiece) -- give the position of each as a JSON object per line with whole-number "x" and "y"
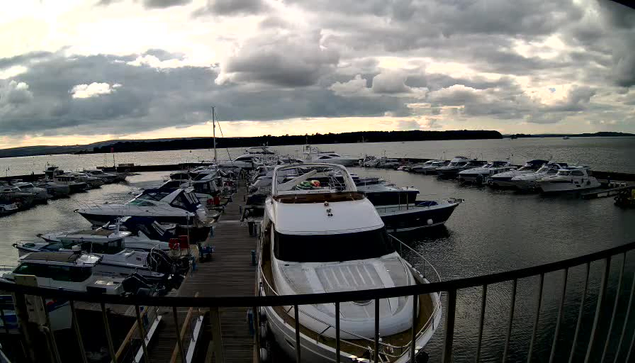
{"x": 230, "y": 273}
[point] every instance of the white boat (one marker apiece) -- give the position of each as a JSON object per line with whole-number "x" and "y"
{"x": 480, "y": 174}
{"x": 92, "y": 181}
{"x": 179, "y": 207}
{"x": 456, "y": 165}
{"x": 8, "y": 208}
{"x": 82, "y": 272}
{"x": 504, "y": 179}
{"x": 54, "y": 174}
{"x": 55, "y": 190}
{"x": 529, "y": 181}
{"x": 429, "y": 167}
{"x": 313, "y": 155}
{"x": 316, "y": 228}
{"x": 108, "y": 178}
{"x": 570, "y": 179}
{"x": 41, "y": 195}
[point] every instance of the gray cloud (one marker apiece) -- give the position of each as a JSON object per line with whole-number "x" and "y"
{"x": 158, "y": 4}
{"x": 232, "y": 7}
{"x": 286, "y": 61}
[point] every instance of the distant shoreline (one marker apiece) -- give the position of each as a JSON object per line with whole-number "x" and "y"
{"x": 117, "y": 146}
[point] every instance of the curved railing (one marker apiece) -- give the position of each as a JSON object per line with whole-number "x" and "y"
{"x": 449, "y": 287}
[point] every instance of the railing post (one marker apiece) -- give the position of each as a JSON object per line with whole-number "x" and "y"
{"x": 628, "y": 314}
{"x": 142, "y": 334}
{"x": 178, "y": 334}
{"x": 78, "y": 333}
{"x": 580, "y": 313}
{"x": 481, "y": 322}
{"x": 563, "y": 293}
{"x": 19, "y": 301}
{"x": 217, "y": 335}
{"x": 111, "y": 345}
{"x": 49, "y": 332}
{"x": 376, "y": 353}
{"x": 615, "y": 305}
{"x": 511, "y": 320}
{"x": 598, "y": 308}
{"x": 413, "y": 329}
{"x": 337, "y": 332}
{"x": 537, "y": 319}
{"x": 298, "y": 345}
{"x": 449, "y": 327}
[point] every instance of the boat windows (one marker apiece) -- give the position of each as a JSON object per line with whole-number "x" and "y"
{"x": 332, "y": 248}
{"x": 59, "y": 273}
{"x": 564, "y": 172}
{"x": 142, "y": 203}
{"x": 577, "y": 173}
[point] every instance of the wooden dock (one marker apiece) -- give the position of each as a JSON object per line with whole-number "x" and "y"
{"x": 230, "y": 273}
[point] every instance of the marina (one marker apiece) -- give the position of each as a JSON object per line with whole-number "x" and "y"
{"x": 229, "y": 257}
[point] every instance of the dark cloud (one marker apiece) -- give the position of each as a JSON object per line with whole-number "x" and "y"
{"x": 232, "y": 7}
{"x": 286, "y": 61}
{"x": 39, "y": 101}
{"x": 159, "y": 4}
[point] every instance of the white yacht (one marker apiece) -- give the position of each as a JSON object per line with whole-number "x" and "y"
{"x": 569, "y": 180}
{"x": 55, "y": 190}
{"x": 529, "y": 181}
{"x": 504, "y": 179}
{"x": 313, "y": 155}
{"x": 456, "y": 165}
{"x": 429, "y": 167}
{"x": 479, "y": 175}
{"x": 316, "y": 228}
{"x": 179, "y": 207}
{"x": 41, "y": 195}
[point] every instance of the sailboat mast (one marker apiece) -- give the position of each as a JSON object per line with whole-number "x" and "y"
{"x": 214, "y": 133}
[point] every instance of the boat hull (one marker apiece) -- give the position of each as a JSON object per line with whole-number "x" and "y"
{"x": 567, "y": 187}
{"x": 402, "y": 219}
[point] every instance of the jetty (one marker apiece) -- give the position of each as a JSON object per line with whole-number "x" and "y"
{"x": 229, "y": 273}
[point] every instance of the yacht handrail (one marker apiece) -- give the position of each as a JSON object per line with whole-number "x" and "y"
{"x": 430, "y": 320}
{"x": 406, "y": 346}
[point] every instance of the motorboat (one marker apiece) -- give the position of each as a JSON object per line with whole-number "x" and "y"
{"x": 81, "y": 272}
{"x": 41, "y": 195}
{"x": 59, "y": 312}
{"x": 143, "y": 229}
{"x": 429, "y": 167}
{"x": 570, "y": 179}
{"x": 529, "y": 181}
{"x": 102, "y": 240}
{"x": 381, "y": 193}
{"x": 456, "y": 165}
{"x": 7, "y": 208}
{"x": 58, "y": 176}
{"x": 504, "y": 179}
{"x": 180, "y": 207}
{"x": 205, "y": 190}
{"x": 417, "y": 215}
{"x": 13, "y": 195}
{"x": 388, "y": 163}
{"x": 480, "y": 175}
{"x": 92, "y": 181}
{"x": 312, "y": 154}
{"x": 74, "y": 183}
{"x": 116, "y": 260}
{"x": 316, "y": 228}
{"x": 55, "y": 190}
{"x": 107, "y": 178}
{"x": 254, "y": 157}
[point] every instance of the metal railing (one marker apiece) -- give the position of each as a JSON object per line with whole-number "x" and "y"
{"x": 598, "y": 341}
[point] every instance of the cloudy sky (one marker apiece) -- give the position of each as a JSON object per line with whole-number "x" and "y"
{"x": 85, "y": 71}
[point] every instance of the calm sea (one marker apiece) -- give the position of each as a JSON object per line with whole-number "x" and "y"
{"x": 605, "y": 154}
{"x": 492, "y": 231}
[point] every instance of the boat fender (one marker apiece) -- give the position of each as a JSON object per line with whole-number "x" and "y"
{"x": 430, "y": 221}
{"x": 264, "y": 331}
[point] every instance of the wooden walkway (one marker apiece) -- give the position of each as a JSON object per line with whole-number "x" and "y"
{"x": 230, "y": 273}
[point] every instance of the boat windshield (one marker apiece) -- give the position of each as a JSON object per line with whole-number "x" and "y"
{"x": 564, "y": 172}
{"x": 332, "y": 248}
